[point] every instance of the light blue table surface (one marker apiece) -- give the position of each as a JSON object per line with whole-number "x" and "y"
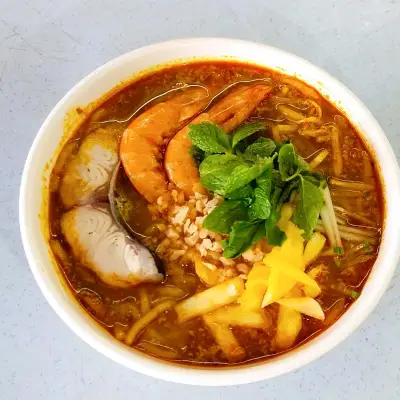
{"x": 48, "y": 46}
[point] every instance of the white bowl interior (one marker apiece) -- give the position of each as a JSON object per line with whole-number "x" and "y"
{"x": 123, "y": 68}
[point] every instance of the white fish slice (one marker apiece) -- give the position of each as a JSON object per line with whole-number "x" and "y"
{"x": 101, "y": 245}
{"x": 88, "y": 173}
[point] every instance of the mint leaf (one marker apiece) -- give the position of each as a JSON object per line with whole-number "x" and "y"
{"x": 245, "y": 173}
{"x": 287, "y": 191}
{"x": 209, "y": 138}
{"x": 244, "y": 192}
{"x": 309, "y": 205}
{"x": 262, "y": 147}
{"x": 245, "y": 131}
{"x": 216, "y": 170}
{"x": 261, "y": 207}
{"x": 264, "y": 181}
{"x": 289, "y": 165}
{"x": 197, "y": 154}
{"x": 275, "y": 236}
{"x": 276, "y": 189}
{"x": 242, "y": 236}
{"x": 315, "y": 178}
{"x": 303, "y": 164}
{"x": 223, "y": 216}
{"x": 259, "y": 234}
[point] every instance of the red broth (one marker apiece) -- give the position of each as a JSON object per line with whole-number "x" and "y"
{"x": 342, "y": 278}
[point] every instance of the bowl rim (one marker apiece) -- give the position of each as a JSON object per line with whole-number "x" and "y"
{"x": 245, "y": 373}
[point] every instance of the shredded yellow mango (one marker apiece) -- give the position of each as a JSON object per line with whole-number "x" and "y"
{"x": 314, "y": 247}
{"x": 288, "y": 327}
{"x": 287, "y": 212}
{"x": 300, "y": 276}
{"x": 287, "y": 262}
{"x": 256, "y": 285}
{"x": 278, "y": 286}
{"x": 304, "y": 305}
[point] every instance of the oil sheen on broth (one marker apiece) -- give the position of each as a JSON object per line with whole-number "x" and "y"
{"x": 252, "y": 300}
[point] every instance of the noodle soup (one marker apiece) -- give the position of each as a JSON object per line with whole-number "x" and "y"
{"x": 215, "y": 213}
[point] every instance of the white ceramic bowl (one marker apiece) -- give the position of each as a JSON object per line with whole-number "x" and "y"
{"x": 47, "y": 142}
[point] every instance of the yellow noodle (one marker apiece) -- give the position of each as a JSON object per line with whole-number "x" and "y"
{"x": 340, "y": 122}
{"x": 287, "y": 128}
{"x": 323, "y": 139}
{"x": 355, "y": 216}
{"x": 225, "y": 339}
{"x": 358, "y": 231}
{"x": 313, "y": 120}
{"x": 139, "y": 325}
{"x": 352, "y": 237}
{"x": 170, "y": 291}
{"x": 290, "y": 114}
{"x": 305, "y": 90}
{"x": 337, "y": 151}
{"x": 276, "y": 135}
{"x": 152, "y": 334}
{"x": 340, "y": 220}
{"x": 284, "y": 90}
{"x": 145, "y": 304}
{"x": 159, "y": 350}
{"x": 352, "y": 185}
{"x": 309, "y": 132}
{"x": 317, "y": 107}
{"x": 346, "y": 193}
{"x": 319, "y": 158}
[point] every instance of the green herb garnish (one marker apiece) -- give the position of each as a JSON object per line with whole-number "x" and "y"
{"x": 255, "y": 177}
{"x": 262, "y": 147}
{"x": 290, "y": 164}
{"x": 245, "y": 173}
{"x": 367, "y": 247}
{"x": 338, "y": 250}
{"x": 275, "y": 236}
{"x": 221, "y": 219}
{"x": 242, "y": 236}
{"x": 260, "y": 208}
{"x": 244, "y": 192}
{"x": 354, "y": 294}
{"x": 309, "y": 206}
{"x": 216, "y": 169}
{"x": 210, "y": 138}
{"x": 245, "y": 131}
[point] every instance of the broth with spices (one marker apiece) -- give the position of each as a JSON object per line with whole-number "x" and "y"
{"x": 256, "y": 296}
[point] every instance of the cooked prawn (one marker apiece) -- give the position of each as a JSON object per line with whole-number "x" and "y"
{"x": 230, "y": 112}
{"x": 143, "y": 140}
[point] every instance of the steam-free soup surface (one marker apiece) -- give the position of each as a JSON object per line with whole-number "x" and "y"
{"x": 234, "y": 331}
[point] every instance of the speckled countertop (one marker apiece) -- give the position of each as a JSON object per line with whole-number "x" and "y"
{"x": 47, "y": 46}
